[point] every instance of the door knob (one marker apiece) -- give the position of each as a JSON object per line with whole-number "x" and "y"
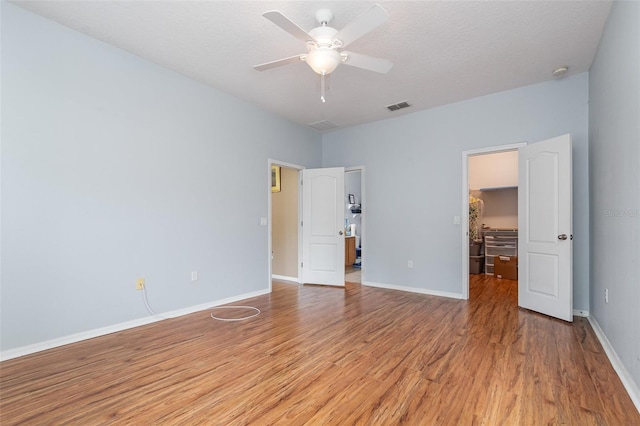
{"x": 340, "y": 233}
{"x": 562, "y": 236}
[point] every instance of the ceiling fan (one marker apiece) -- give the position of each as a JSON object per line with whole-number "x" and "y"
{"x": 325, "y": 43}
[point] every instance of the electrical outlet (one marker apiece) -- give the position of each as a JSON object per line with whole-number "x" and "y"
{"x": 410, "y": 264}
{"x": 194, "y": 276}
{"x": 606, "y": 295}
{"x": 140, "y": 284}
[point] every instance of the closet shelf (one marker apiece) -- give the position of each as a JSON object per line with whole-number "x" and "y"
{"x": 495, "y": 188}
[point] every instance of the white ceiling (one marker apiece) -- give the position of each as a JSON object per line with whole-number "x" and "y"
{"x": 443, "y": 51}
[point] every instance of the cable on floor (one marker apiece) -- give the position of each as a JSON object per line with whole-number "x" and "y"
{"x": 235, "y": 307}
{"x": 152, "y": 312}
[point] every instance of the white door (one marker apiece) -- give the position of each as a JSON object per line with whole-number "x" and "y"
{"x": 545, "y": 282}
{"x": 323, "y": 226}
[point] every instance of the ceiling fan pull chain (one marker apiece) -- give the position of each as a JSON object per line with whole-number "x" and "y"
{"x": 322, "y": 80}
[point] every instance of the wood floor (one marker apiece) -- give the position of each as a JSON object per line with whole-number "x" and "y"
{"x": 330, "y": 356}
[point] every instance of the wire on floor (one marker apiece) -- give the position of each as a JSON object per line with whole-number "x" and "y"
{"x": 235, "y": 307}
{"x": 152, "y": 312}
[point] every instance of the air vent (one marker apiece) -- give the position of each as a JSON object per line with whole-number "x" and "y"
{"x": 323, "y": 125}
{"x": 398, "y": 106}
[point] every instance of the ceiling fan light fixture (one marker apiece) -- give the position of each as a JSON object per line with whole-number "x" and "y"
{"x": 324, "y": 60}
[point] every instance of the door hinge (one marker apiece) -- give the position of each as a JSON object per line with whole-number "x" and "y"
{"x": 301, "y": 224}
{"x": 302, "y": 264}
{"x": 301, "y": 182}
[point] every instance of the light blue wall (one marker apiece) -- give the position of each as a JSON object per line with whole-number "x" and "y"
{"x": 114, "y": 168}
{"x": 414, "y": 177}
{"x": 614, "y": 133}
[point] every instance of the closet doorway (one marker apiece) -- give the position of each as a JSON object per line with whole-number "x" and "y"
{"x": 490, "y": 203}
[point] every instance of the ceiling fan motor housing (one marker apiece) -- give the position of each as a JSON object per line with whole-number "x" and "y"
{"x": 324, "y": 37}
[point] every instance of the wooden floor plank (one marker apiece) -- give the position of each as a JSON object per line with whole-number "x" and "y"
{"x": 327, "y": 355}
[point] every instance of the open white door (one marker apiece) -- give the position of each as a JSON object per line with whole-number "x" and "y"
{"x": 545, "y": 282}
{"x": 323, "y": 226}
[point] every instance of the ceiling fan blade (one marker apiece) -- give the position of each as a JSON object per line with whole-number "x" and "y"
{"x": 279, "y": 63}
{"x": 364, "y": 23}
{"x": 287, "y": 24}
{"x": 367, "y": 62}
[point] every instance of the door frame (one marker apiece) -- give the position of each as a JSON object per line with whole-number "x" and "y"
{"x": 273, "y": 162}
{"x": 362, "y": 215}
{"x": 465, "y": 204}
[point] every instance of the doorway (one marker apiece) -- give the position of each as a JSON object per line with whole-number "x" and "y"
{"x": 284, "y": 209}
{"x": 545, "y": 233}
{"x": 490, "y": 208}
{"x": 353, "y": 216}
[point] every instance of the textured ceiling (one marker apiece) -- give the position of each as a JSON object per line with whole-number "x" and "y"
{"x": 443, "y": 51}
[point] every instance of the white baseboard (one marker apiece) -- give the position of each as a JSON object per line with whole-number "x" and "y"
{"x": 90, "y": 334}
{"x": 414, "y": 290}
{"x": 627, "y": 381}
{"x": 73, "y": 338}
{"x": 284, "y": 278}
{"x": 580, "y": 313}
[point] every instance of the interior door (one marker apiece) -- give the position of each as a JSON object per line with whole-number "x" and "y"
{"x": 545, "y": 282}
{"x": 323, "y": 226}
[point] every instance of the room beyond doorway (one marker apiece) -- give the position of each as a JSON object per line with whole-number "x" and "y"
{"x": 353, "y": 216}
{"x": 284, "y": 207}
{"x": 490, "y": 212}
{"x": 352, "y": 275}
{"x": 284, "y": 232}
